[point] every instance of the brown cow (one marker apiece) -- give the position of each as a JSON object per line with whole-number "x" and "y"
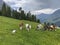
{"x": 21, "y": 26}
{"x": 52, "y": 27}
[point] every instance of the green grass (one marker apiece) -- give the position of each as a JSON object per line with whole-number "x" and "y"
{"x": 23, "y": 37}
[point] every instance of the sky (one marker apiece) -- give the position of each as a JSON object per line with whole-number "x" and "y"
{"x": 35, "y": 6}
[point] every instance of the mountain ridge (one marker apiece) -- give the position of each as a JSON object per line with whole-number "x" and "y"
{"x": 52, "y": 18}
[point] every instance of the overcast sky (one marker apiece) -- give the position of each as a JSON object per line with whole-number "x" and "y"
{"x": 35, "y": 6}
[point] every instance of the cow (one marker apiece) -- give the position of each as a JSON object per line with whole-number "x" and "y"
{"x": 52, "y": 27}
{"x": 21, "y": 26}
{"x": 28, "y": 27}
{"x": 39, "y": 27}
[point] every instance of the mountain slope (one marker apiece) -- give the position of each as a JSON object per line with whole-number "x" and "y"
{"x": 55, "y": 17}
{"x": 43, "y": 17}
{"x": 52, "y": 18}
{"x": 22, "y": 37}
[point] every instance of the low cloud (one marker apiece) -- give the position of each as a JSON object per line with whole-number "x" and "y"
{"x": 28, "y": 5}
{"x": 45, "y": 11}
{"x": 35, "y": 6}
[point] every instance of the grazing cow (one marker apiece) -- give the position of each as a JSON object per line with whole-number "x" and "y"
{"x": 21, "y": 26}
{"x": 28, "y": 27}
{"x": 39, "y": 26}
{"x": 52, "y": 27}
{"x": 48, "y": 26}
{"x": 13, "y": 31}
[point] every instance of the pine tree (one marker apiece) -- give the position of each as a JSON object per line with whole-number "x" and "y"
{"x": 35, "y": 18}
{"x": 20, "y": 16}
{"x": 8, "y": 11}
{"x": 38, "y": 21}
{"x": 4, "y": 9}
{"x": 28, "y": 17}
{"x": 32, "y": 17}
{"x": 0, "y": 13}
{"x": 23, "y": 14}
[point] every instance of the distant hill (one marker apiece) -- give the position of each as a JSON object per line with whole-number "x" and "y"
{"x": 53, "y": 18}
{"x": 43, "y": 17}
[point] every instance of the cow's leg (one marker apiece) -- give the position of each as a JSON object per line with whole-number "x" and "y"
{"x": 28, "y": 29}
{"x": 21, "y": 28}
{"x": 54, "y": 29}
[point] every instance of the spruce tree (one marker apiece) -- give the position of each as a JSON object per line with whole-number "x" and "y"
{"x": 4, "y": 9}
{"x": 8, "y": 11}
{"x": 28, "y": 16}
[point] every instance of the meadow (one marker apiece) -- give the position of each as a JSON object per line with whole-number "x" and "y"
{"x": 23, "y": 37}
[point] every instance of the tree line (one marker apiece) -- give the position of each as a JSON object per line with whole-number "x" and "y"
{"x": 21, "y": 15}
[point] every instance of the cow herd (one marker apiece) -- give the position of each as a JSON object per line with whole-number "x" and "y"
{"x": 49, "y": 27}
{"x": 45, "y": 26}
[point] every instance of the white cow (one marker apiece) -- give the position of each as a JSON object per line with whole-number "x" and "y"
{"x": 39, "y": 26}
{"x": 28, "y": 27}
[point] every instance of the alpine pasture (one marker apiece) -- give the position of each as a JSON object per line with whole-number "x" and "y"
{"x": 23, "y": 37}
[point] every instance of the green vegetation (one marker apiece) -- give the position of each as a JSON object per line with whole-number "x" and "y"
{"x": 23, "y": 37}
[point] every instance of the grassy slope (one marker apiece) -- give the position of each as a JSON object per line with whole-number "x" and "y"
{"x": 23, "y": 37}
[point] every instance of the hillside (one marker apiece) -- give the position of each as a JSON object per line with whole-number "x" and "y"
{"x": 23, "y": 37}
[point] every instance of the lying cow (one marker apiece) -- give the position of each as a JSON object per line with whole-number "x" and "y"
{"x": 39, "y": 27}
